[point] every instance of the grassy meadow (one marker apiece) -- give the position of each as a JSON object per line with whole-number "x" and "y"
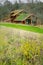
{"x": 24, "y": 27}
{"x": 21, "y": 45}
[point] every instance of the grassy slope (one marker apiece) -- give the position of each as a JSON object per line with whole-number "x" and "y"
{"x": 23, "y": 27}
{"x": 9, "y": 51}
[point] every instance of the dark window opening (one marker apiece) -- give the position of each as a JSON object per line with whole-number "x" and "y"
{"x": 28, "y": 21}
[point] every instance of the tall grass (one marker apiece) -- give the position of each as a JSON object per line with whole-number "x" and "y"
{"x": 17, "y": 50}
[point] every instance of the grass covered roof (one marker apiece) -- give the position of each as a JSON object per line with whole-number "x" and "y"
{"x": 21, "y": 17}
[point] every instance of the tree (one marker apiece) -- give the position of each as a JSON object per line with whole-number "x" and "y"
{"x": 1, "y": 1}
{"x": 16, "y": 5}
{"x": 28, "y": 1}
{"x": 8, "y": 5}
{"x": 20, "y": 1}
{"x": 5, "y": 9}
{"x": 32, "y": 1}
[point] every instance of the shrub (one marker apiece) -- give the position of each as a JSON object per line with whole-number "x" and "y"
{"x": 31, "y": 52}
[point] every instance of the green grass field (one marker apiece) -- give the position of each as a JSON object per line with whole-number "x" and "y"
{"x": 17, "y": 49}
{"x": 23, "y": 27}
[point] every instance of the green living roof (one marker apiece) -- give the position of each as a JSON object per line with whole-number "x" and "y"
{"x": 21, "y": 17}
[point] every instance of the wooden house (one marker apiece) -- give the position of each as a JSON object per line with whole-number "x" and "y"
{"x": 14, "y": 14}
{"x": 19, "y": 16}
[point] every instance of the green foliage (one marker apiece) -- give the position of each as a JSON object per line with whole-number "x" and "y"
{"x": 23, "y": 27}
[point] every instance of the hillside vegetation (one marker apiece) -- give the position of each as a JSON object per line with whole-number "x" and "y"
{"x": 19, "y": 47}
{"x": 23, "y": 27}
